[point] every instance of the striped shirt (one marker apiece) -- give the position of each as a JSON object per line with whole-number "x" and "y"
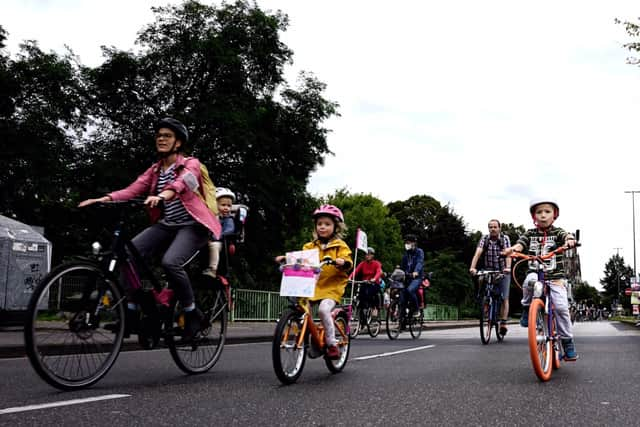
{"x": 536, "y": 242}
{"x": 491, "y": 256}
{"x": 174, "y": 211}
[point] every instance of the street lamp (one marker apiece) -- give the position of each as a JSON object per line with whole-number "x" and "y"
{"x": 633, "y": 211}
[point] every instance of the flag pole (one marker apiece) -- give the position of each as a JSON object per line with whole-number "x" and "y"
{"x": 353, "y": 276}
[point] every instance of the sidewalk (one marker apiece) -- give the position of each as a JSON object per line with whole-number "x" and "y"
{"x": 12, "y": 337}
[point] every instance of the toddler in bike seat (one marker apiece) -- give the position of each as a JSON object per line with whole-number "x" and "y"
{"x": 332, "y": 281}
{"x": 540, "y": 241}
{"x": 224, "y": 199}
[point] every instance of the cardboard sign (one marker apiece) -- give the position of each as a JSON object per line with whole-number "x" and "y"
{"x": 300, "y": 280}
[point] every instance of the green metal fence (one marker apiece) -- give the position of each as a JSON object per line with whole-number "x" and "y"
{"x": 251, "y": 305}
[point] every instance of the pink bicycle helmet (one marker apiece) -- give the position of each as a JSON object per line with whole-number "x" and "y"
{"x": 329, "y": 210}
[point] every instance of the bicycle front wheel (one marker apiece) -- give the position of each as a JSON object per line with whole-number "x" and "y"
{"x": 485, "y": 321}
{"x": 415, "y": 325}
{"x": 393, "y": 320}
{"x": 203, "y": 352}
{"x": 497, "y": 304}
{"x": 344, "y": 343}
{"x": 355, "y": 321}
{"x": 288, "y": 351}
{"x": 540, "y": 345}
{"x": 373, "y": 326}
{"x": 75, "y": 325}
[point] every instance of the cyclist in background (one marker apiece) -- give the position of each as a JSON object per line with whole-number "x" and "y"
{"x": 413, "y": 266}
{"x": 370, "y": 270}
{"x": 181, "y": 224}
{"x": 540, "y": 241}
{"x": 488, "y": 254}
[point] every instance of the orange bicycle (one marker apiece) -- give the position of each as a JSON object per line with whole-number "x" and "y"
{"x": 298, "y": 335}
{"x": 545, "y": 348}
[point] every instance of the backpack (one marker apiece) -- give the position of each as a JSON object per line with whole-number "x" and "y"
{"x": 481, "y": 260}
{"x": 207, "y": 191}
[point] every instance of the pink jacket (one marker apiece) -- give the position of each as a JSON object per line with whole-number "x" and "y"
{"x": 188, "y": 172}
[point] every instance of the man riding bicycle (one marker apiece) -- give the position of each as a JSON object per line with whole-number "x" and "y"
{"x": 369, "y": 270}
{"x": 413, "y": 266}
{"x": 488, "y": 255}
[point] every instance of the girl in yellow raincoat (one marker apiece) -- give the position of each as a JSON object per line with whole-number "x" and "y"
{"x": 327, "y": 238}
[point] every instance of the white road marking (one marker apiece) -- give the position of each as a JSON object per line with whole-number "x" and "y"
{"x": 393, "y": 353}
{"x": 61, "y": 403}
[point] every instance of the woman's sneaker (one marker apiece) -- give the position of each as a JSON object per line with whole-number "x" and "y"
{"x": 193, "y": 323}
{"x": 569, "y": 347}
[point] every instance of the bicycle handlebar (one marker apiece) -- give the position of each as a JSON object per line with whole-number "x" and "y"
{"x": 559, "y": 250}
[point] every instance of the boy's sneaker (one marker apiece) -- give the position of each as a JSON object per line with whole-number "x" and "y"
{"x": 333, "y": 352}
{"x": 569, "y": 347}
{"x": 524, "y": 320}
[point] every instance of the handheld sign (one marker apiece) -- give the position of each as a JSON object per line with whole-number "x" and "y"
{"x": 300, "y": 274}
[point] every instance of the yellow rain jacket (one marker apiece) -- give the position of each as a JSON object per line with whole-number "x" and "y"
{"x": 332, "y": 280}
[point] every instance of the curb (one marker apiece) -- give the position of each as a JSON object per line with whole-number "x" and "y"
{"x": 15, "y": 351}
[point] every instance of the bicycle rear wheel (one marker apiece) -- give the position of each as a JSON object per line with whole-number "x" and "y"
{"x": 203, "y": 352}
{"x": 485, "y": 321}
{"x": 344, "y": 343}
{"x": 288, "y": 358}
{"x": 415, "y": 325}
{"x": 65, "y": 333}
{"x": 393, "y": 320}
{"x": 540, "y": 344}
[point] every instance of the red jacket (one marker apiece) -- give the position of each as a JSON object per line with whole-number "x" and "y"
{"x": 368, "y": 270}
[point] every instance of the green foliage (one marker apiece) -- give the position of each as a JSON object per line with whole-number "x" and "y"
{"x": 586, "y": 293}
{"x": 371, "y": 215}
{"x": 617, "y": 276}
{"x": 451, "y": 283}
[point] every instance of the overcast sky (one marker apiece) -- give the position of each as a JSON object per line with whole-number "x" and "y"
{"x": 482, "y": 105}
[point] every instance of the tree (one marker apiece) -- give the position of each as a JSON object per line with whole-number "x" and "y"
{"x": 41, "y": 115}
{"x": 616, "y": 276}
{"x": 448, "y": 247}
{"x": 369, "y": 213}
{"x": 220, "y": 71}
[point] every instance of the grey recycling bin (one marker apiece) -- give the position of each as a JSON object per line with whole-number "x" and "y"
{"x": 25, "y": 258}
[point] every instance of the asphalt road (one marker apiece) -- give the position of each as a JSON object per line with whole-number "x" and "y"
{"x": 445, "y": 378}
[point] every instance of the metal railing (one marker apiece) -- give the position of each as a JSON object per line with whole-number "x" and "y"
{"x": 252, "y": 305}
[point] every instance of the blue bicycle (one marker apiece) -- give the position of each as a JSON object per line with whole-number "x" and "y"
{"x": 490, "y": 304}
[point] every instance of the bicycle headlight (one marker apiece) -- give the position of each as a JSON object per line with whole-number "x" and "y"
{"x": 537, "y": 289}
{"x": 96, "y": 248}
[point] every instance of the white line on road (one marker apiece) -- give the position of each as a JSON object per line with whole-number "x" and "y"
{"x": 61, "y": 403}
{"x": 393, "y": 353}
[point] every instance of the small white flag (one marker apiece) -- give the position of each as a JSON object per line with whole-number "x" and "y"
{"x": 361, "y": 240}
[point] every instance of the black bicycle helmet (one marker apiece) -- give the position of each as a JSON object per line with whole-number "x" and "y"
{"x": 175, "y": 125}
{"x": 410, "y": 238}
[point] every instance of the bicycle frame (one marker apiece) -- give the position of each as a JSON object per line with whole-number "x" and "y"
{"x": 315, "y": 331}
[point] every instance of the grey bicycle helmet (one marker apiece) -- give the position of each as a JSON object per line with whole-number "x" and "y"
{"x": 176, "y": 126}
{"x": 539, "y": 200}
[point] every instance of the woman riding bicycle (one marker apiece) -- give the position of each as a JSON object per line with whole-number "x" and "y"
{"x": 181, "y": 224}
{"x": 369, "y": 270}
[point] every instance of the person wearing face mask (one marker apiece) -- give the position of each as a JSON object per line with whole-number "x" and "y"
{"x": 413, "y": 266}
